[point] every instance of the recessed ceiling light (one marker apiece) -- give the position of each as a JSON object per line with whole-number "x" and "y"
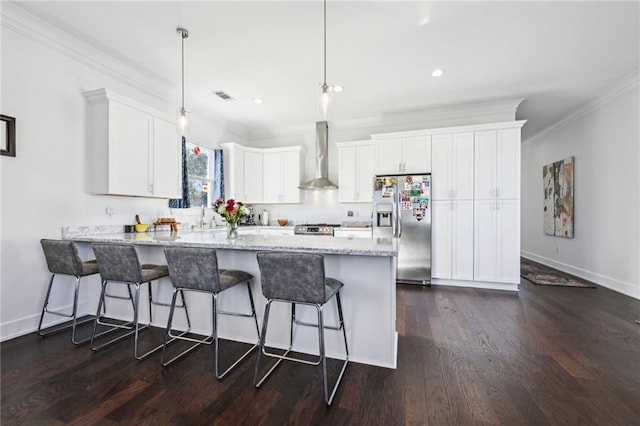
{"x": 338, "y": 89}
{"x": 258, "y": 100}
{"x": 438, "y": 72}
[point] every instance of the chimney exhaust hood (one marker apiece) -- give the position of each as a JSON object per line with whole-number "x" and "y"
{"x": 321, "y": 180}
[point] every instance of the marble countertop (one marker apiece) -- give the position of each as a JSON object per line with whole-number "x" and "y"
{"x": 295, "y": 243}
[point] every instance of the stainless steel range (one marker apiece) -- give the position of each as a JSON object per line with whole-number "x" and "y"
{"x": 315, "y": 229}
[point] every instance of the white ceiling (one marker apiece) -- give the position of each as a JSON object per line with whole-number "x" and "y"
{"x": 557, "y": 55}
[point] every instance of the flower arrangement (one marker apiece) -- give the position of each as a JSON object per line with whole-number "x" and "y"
{"x": 231, "y": 210}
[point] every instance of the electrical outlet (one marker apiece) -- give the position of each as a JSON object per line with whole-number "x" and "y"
{"x": 110, "y": 211}
{"x": 557, "y": 249}
{"x": 350, "y": 213}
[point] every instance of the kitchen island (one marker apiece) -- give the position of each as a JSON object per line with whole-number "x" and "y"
{"x": 367, "y": 267}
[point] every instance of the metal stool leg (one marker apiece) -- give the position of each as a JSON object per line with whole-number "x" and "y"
{"x": 137, "y": 328}
{"x": 73, "y": 315}
{"x": 263, "y": 335}
{"x": 46, "y": 303}
{"x": 217, "y": 340}
{"x": 168, "y": 338}
{"x": 113, "y": 327}
{"x": 346, "y": 348}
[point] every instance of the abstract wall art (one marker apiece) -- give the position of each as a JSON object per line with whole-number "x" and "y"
{"x": 557, "y": 180}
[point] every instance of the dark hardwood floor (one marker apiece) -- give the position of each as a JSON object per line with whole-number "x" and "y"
{"x": 547, "y": 355}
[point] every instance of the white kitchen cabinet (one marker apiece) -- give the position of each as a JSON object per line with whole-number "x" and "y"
{"x": 497, "y": 160}
{"x": 452, "y": 239}
{"x": 253, "y": 177}
{"x": 497, "y": 241}
{"x": 453, "y": 164}
{"x": 403, "y": 155}
{"x": 167, "y": 152}
{"x": 262, "y": 176}
{"x": 347, "y": 232}
{"x": 355, "y": 171}
{"x": 281, "y": 175}
{"x": 134, "y": 150}
{"x": 276, "y": 231}
{"x": 233, "y": 170}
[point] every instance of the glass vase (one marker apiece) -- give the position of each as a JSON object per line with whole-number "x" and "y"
{"x": 232, "y": 231}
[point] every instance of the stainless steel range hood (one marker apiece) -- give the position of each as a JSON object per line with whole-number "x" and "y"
{"x": 321, "y": 180}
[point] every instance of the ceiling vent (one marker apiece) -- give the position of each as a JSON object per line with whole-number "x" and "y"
{"x": 224, "y": 96}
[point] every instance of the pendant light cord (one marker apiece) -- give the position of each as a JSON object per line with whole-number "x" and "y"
{"x": 325, "y": 43}
{"x": 182, "y": 71}
{"x": 183, "y": 34}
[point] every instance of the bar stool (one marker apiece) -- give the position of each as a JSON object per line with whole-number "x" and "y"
{"x": 299, "y": 278}
{"x": 119, "y": 263}
{"x": 196, "y": 269}
{"x": 63, "y": 259}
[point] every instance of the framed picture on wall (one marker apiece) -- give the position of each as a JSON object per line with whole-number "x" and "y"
{"x": 7, "y": 136}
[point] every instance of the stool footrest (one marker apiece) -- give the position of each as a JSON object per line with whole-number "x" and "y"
{"x": 113, "y": 296}
{"x": 54, "y": 329}
{"x": 310, "y": 324}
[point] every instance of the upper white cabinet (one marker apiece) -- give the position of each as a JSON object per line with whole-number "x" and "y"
{"x": 452, "y": 166}
{"x": 253, "y": 174}
{"x": 166, "y": 160}
{"x": 410, "y": 154}
{"x": 233, "y": 171}
{"x": 355, "y": 171}
{"x": 134, "y": 150}
{"x": 262, "y": 176}
{"x": 497, "y": 160}
{"x": 281, "y": 175}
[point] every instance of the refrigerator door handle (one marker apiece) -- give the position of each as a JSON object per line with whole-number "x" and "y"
{"x": 394, "y": 225}
{"x": 398, "y": 213}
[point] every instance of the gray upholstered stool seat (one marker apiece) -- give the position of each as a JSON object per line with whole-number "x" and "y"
{"x": 120, "y": 263}
{"x": 196, "y": 269}
{"x": 63, "y": 259}
{"x": 299, "y": 278}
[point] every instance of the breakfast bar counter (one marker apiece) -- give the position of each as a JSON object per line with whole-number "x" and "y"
{"x": 367, "y": 267}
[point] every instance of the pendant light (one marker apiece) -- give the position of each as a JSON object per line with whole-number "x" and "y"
{"x": 183, "y": 118}
{"x": 326, "y": 91}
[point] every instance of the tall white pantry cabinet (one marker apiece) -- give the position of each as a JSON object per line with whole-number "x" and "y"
{"x": 475, "y": 202}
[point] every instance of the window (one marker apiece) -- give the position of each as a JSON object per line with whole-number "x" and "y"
{"x": 200, "y": 167}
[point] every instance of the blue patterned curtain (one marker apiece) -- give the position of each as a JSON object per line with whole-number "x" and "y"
{"x": 218, "y": 178}
{"x": 183, "y": 203}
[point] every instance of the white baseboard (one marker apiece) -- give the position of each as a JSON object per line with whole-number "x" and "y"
{"x": 475, "y": 284}
{"x": 29, "y": 324}
{"x": 625, "y": 288}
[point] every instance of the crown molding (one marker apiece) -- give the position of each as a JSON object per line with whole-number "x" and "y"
{"x": 619, "y": 88}
{"x": 500, "y": 110}
{"x": 22, "y": 22}
{"x": 455, "y": 129}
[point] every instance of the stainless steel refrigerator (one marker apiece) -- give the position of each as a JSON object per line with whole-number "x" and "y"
{"x": 402, "y": 209}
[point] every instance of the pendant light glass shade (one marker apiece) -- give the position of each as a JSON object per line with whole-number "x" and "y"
{"x": 183, "y": 116}
{"x": 183, "y": 122}
{"x": 325, "y": 101}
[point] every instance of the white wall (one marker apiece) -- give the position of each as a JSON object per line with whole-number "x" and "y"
{"x": 604, "y": 139}
{"x": 45, "y": 186}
